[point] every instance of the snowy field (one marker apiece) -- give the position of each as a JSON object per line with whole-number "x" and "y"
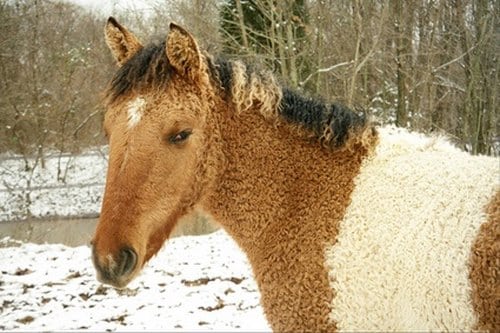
{"x": 196, "y": 283}
{"x": 68, "y": 185}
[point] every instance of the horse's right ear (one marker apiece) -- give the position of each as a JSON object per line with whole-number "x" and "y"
{"x": 183, "y": 52}
{"x": 122, "y": 43}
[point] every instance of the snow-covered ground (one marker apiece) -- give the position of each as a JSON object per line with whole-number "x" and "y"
{"x": 68, "y": 185}
{"x": 196, "y": 283}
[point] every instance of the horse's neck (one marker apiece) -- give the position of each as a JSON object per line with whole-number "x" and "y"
{"x": 271, "y": 173}
{"x": 281, "y": 197}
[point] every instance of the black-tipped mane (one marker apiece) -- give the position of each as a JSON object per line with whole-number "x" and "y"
{"x": 221, "y": 71}
{"x": 330, "y": 122}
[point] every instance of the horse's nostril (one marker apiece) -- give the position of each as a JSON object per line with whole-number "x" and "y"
{"x": 115, "y": 270}
{"x": 128, "y": 260}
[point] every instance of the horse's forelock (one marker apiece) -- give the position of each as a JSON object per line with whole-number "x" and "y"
{"x": 148, "y": 68}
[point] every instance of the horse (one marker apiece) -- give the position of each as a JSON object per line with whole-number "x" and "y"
{"x": 347, "y": 224}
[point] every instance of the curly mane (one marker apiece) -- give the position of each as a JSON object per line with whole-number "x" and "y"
{"x": 333, "y": 124}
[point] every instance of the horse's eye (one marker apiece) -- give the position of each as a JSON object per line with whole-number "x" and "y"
{"x": 179, "y": 137}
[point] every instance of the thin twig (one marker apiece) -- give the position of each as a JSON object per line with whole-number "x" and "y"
{"x": 324, "y": 70}
{"x": 434, "y": 70}
{"x": 84, "y": 122}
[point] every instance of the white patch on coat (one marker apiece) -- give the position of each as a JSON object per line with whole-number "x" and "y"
{"x": 135, "y": 111}
{"x": 111, "y": 261}
{"x": 401, "y": 257}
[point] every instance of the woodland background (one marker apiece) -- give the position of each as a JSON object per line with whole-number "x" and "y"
{"x": 428, "y": 65}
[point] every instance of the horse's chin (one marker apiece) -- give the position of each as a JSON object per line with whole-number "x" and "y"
{"x": 118, "y": 283}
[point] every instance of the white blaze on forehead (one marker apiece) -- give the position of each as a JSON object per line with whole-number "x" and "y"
{"x": 135, "y": 110}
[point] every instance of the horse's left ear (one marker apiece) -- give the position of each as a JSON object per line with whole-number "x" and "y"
{"x": 183, "y": 52}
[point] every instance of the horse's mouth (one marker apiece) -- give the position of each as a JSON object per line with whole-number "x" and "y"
{"x": 117, "y": 283}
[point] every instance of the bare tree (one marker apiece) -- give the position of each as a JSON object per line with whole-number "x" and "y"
{"x": 53, "y": 72}
{"x": 426, "y": 65}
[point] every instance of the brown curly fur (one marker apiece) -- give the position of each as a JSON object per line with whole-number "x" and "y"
{"x": 259, "y": 197}
{"x": 485, "y": 270}
{"x": 124, "y": 44}
{"x": 260, "y": 201}
{"x": 250, "y": 162}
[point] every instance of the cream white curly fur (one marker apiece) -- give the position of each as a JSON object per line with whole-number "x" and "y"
{"x": 401, "y": 257}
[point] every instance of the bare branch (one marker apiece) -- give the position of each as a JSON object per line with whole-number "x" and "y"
{"x": 85, "y": 121}
{"x": 324, "y": 70}
{"x": 434, "y": 70}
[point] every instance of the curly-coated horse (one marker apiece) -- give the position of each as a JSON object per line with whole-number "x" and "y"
{"x": 347, "y": 225}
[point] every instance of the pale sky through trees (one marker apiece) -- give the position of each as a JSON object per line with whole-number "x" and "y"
{"x": 112, "y": 7}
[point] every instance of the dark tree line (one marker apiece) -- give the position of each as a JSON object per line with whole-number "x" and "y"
{"x": 430, "y": 65}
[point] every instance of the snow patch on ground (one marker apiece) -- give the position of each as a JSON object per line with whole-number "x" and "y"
{"x": 195, "y": 283}
{"x": 68, "y": 185}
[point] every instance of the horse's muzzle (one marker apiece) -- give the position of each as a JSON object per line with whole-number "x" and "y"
{"x": 115, "y": 270}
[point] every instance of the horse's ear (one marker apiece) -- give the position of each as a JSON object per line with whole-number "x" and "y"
{"x": 183, "y": 52}
{"x": 122, "y": 43}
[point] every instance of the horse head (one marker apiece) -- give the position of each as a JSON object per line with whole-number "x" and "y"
{"x": 155, "y": 124}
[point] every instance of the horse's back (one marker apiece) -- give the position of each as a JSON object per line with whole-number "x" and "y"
{"x": 402, "y": 259}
